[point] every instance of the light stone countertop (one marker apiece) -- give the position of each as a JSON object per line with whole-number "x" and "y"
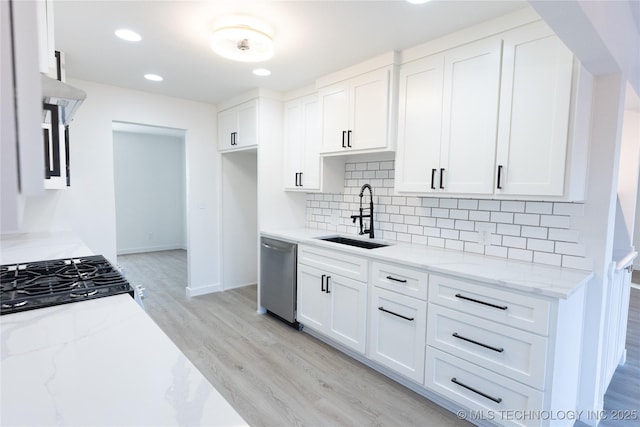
{"x": 26, "y": 247}
{"x": 102, "y": 362}
{"x": 550, "y": 281}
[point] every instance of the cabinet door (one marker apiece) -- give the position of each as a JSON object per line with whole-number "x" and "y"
{"x": 398, "y": 332}
{"x": 470, "y": 115}
{"x": 419, "y": 125}
{"x": 293, "y": 143}
{"x": 534, "y": 113}
{"x": 247, "y": 124}
{"x": 369, "y": 110}
{"x": 312, "y": 300}
{"x": 227, "y": 125}
{"x": 334, "y": 113}
{"x": 347, "y": 311}
{"x": 310, "y": 179}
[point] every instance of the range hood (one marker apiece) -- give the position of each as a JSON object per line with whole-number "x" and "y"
{"x": 66, "y": 96}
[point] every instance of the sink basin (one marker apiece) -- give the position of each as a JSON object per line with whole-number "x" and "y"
{"x": 353, "y": 242}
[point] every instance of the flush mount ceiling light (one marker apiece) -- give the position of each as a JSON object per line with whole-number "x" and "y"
{"x": 242, "y": 40}
{"x": 128, "y": 35}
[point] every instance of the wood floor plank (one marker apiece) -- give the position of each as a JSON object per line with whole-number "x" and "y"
{"x": 274, "y": 375}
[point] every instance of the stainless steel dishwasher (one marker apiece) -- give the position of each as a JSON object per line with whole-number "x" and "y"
{"x": 278, "y": 278}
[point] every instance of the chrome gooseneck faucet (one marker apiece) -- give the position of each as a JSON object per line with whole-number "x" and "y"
{"x": 370, "y": 215}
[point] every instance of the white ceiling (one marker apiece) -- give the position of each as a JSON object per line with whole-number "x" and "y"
{"x": 312, "y": 38}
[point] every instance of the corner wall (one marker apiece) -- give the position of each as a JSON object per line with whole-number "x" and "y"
{"x": 88, "y": 206}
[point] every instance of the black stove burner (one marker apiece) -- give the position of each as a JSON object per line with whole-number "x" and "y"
{"x": 60, "y": 281}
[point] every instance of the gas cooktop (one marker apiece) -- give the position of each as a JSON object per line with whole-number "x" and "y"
{"x": 27, "y": 286}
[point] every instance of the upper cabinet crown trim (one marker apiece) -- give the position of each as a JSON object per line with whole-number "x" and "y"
{"x": 380, "y": 61}
{"x": 476, "y": 32}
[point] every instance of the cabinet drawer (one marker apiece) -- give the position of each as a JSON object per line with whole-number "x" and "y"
{"x": 336, "y": 262}
{"x": 517, "y": 354}
{"x": 398, "y": 332}
{"x": 521, "y": 311}
{"x": 404, "y": 280}
{"x": 478, "y": 389}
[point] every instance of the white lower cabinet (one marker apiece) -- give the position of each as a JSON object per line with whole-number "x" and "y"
{"x": 333, "y": 305}
{"x": 492, "y": 396}
{"x": 510, "y": 357}
{"x": 397, "y": 332}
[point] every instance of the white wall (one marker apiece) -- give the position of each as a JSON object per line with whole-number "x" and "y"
{"x": 150, "y": 192}
{"x": 239, "y": 219}
{"x": 88, "y": 206}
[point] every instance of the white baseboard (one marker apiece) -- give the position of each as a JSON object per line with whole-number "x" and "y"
{"x": 129, "y": 251}
{"x": 202, "y": 290}
{"x": 227, "y": 288}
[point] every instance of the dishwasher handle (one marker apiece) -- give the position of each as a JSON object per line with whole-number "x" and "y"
{"x": 275, "y": 248}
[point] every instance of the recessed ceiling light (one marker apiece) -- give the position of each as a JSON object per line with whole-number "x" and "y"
{"x": 417, "y": 1}
{"x": 128, "y": 35}
{"x": 262, "y": 72}
{"x": 153, "y": 77}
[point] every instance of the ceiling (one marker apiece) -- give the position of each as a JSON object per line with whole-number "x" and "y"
{"x": 312, "y": 38}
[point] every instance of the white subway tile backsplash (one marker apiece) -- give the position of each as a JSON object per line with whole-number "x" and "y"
{"x": 571, "y": 209}
{"x": 489, "y": 205}
{"x": 524, "y": 230}
{"x": 512, "y": 206}
{"x": 514, "y": 242}
{"x": 503, "y": 217}
{"x": 534, "y": 232}
{"x": 555, "y": 221}
{"x": 563, "y": 235}
{"x": 449, "y": 203}
{"x": 458, "y": 214}
{"x": 467, "y": 204}
{"x": 520, "y": 254}
{"x": 479, "y": 215}
{"x": 539, "y": 207}
{"x": 464, "y": 225}
{"x": 540, "y": 245}
{"x": 526, "y": 219}
{"x": 508, "y": 229}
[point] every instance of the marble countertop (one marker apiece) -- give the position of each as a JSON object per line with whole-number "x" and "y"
{"x": 25, "y": 247}
{"x": 102, "y": 362}
{"x": 539, "y": 279}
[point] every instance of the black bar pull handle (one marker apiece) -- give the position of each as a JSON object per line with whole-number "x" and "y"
{"x": 499, "y": 307}
{"x": 300, "y": 174}
{"x": 296, "y": 179}
{"x": 486, "y": 396}
{"x": 322, "y": 282}
{"x": 410, "y": 319}
{"x": 496, "y": 349}
{"x": 433, "y": 179}
{"x": 234, "y": 138}
{"x": 349, "y": 138}
{"x": 396, "y": 280}
{"x": 442, "y": 178}
{"x": 499, "y": 183}
{"x": 328, "y": 291}
{"x": 344, "y": 138}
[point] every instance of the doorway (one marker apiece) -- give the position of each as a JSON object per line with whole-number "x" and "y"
{"x": 150, "y": 191}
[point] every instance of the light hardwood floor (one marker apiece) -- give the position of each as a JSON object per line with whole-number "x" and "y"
{"x": 274, "y": 375}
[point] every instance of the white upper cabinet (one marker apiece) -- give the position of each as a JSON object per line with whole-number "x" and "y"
{"x": 447, "y": 120}
{"x": 505, "y": 116}
{"x": 302, "y": 143}
{"x": 237, "y": 126}
{"x": 535, "y": 103}
{"x": 356, "y": 113}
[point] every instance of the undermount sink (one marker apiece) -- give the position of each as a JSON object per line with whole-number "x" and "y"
{"x": 353, "y": 242}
